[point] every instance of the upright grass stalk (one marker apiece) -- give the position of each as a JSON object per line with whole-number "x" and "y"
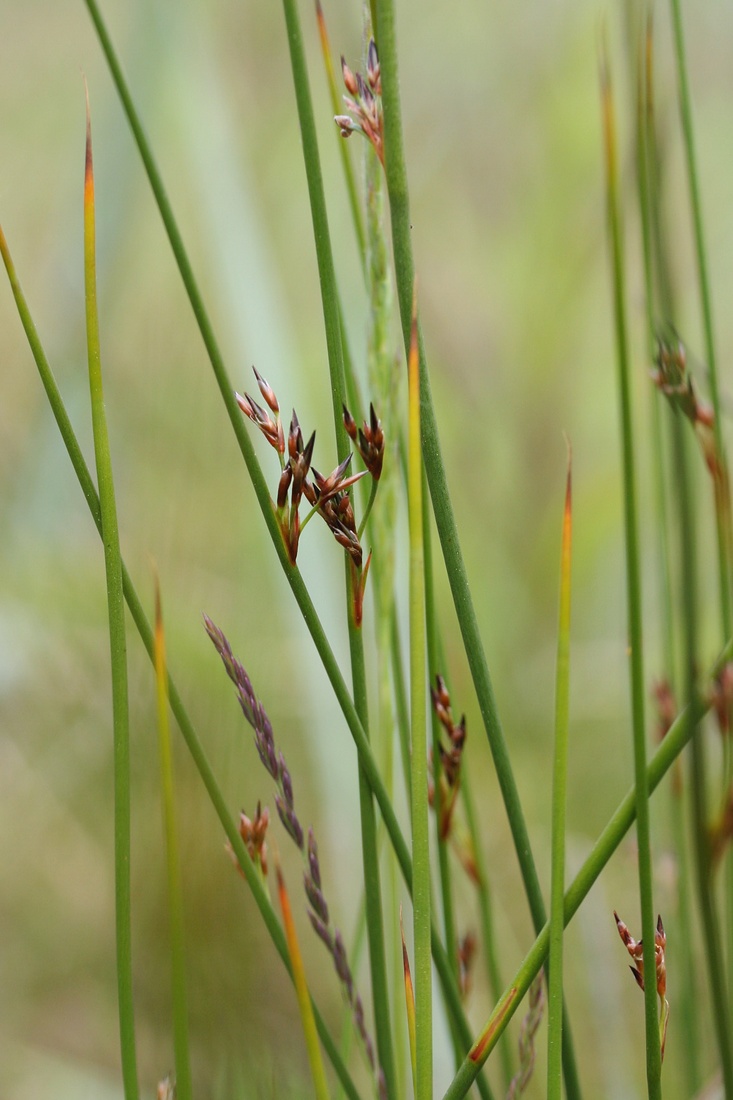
{"x": 658, "y": 288}
{"x": 444, "y": 877}
{"x": 633, "y": 587}
{"x": 383, "y": 16}
{"x": 722, "y": 484}
{"x": 559, "y": 795}
{"x": 329, "y": 296}
{"x": 118, "y": 644}
{"x": 184, "y": 1089}
{"x": 145, "y": 631}
{"x": 701, "y": 839}
{"x": 418, "y": 741}
{"x": 706, "y": 306}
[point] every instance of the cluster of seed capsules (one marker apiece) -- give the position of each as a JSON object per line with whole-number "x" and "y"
{"x": 327, "y": 496}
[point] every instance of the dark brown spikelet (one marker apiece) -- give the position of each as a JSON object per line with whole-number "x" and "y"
{"x": 369, "y": 440}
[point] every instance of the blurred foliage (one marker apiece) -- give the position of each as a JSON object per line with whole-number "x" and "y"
{"x": 503, "y": 147}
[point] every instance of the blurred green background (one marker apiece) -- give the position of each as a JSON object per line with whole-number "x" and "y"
{"x": 501, "y": 122}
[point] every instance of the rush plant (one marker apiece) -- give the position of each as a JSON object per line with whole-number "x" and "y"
{"x": 450, "y": 979}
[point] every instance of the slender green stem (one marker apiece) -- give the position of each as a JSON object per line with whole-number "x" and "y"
{"x": 633, "y": 588}
{"x": 722, "y": 487}
{"x": 559, "y": 798}
{"x": 348, "y": 170}
{"x": 446, "y": 895}
{"x": 657, "y": 282}
{"x": 118, "y": 644}
{"x": 607, "y": 843}
{"x": 488, "y": 932}
{"x": 332, "y": 324}
{"x": 445, "y": 520}
{"x": 184, "y": 1089}
{"x": 418, "y": 744}
{"x": 701, "y": 838}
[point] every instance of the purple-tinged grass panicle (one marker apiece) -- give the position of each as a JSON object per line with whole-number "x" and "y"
{"x": 364, "y": 103}
{"x": 636, "y": 950}
{"x": 274, "y": 762}
{"x": 530, "y": 1024}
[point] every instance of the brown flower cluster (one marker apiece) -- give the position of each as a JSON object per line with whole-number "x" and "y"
{"x": 450, "y": 759}
{"x": 253, "y": 834}
{"x": 636, "y": 950}
{"x": 364, "y": 102}
{"x": 327, "y": 496}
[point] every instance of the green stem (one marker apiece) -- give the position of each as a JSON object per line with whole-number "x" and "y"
{"x": 184, "y": 1088}
{"x": 449, "y": 929}
{"x": 488, "y": 932}
{"x": 118, "y": 645}
{"x": 419, "y": 748}
{"x": 348, "y": 170}
{"x": 701, "y": 839}
{"x": 445, "y": 520}
{"x": 722, "y": 495}
{"x": 332, "y": 324}
{"x": 633, "y": 588}
{"x": 657, "y": 282}
{"x": 559, "y": 799}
